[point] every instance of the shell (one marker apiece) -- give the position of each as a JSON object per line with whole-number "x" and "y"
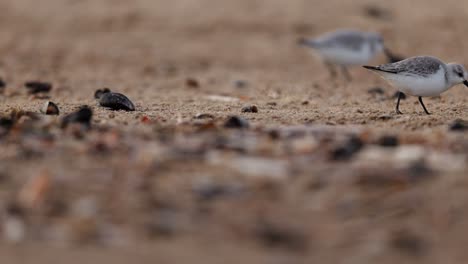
{"x": 50, "y": 108}
{"x": 116, "y": 101}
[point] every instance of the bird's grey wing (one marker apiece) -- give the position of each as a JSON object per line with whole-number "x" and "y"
{"x": 343, "y": 39}
{"x": 423, "y": 65}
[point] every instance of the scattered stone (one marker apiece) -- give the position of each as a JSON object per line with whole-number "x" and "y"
{"x": 272, "y": 104}
{"x": 203, "y": 116}
{"x": 236, "y": 122}
{"x": 116, "y": 101}
{"x": 249, "y": 109}
{"x": 459, "y": 125}
{"x": 145, "y": 120}
{"x": 82, "y": 116}
{"x": 5, "y": 125}
{"x": 388, "y": 141}
{"x": 2, "y": 86}
{"x": 279, "y": 236}
{"x": 50, "y": 108}
{"x": 192, "y": 83}
{"x": 100, "y": 92}
{"x": 210, "y": 191}
{"x": 344, "y": 152}
{"x": 384, "y": 117}
{"x": 241, "y": 84}
{"x": 408, "y": 243}
{"x": 376, "y": 91}
{"x": 305, "y": 102}
{"x": 35, "y": 87}
{"x": 377, "y": 12}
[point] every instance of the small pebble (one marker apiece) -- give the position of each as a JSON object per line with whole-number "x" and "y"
{"x": 305, "y": 102}
{"x": 203, "y": 116}
{"x": 236, "y": 122}
{"x": 376, "y": 91}
{"x": 192, "y": 83}
{"x": 2, "y": 86}
{"x": 35, "y": 87}
{"x": 207, "y": 192}
{"x": 459, "y": 125}
{"x": 82, "y": 116}
{"x": 241, "y": 84}
{"x": 384, "y": 117}
{"x": 249, "y": 109}
{"x": 116, "y": 101}
{"x": 348, "y": 149}
{"x": 407, "y": 242}
{"x": 50, "y": 108}
{"x": 100, "y": 92}
{"x": 388, "y": 141}
{"x": 281, "y": 236}
{"x": 377, "y": 12}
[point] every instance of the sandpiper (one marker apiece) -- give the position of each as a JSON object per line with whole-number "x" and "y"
{"x": 346, "y": 48}
{"x": 421, "y": 76}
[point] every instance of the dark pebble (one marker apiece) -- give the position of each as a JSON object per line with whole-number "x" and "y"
{"x": 280, "y": 236}
{"x": 377, "y": 12}
{"x": 241, "y": 84}
{"x": 388, "y": 141}
{"x": 2, "y": 86}
{"x": 116, "y": 101}
{"x": 100, "y": 92}
{"x": 192, "y": 83}
{"x": 204, "y": 116}
{"x": 35, "y": 87}
{"x": 249, "y": 109}
{"x": 376, "y": 91}
{"x": 208, "y": 192}
{"x": 50, "y": 108}
{"x": 459, "y": 125}
{"x": 408, "y": 243}
{"x": 305, "y": 102}
{"x": 5, "y": 125}
{"x": 82, "y": 116}
{"x": 348, "y": 149}
{"x": 236, "y": 122}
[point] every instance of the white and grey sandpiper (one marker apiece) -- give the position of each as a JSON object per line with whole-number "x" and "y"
{"x": 345, "y": 48}
{"x": 421, "y": 76}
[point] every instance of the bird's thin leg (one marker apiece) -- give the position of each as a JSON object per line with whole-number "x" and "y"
{"x": 400, "y": 95}
{"x": 331, "y": 69}
{"x": 421, "y": 101}
{"x": 346, "y": 74}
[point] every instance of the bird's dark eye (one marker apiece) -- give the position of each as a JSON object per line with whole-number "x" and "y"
{"x": 460, "y": 74}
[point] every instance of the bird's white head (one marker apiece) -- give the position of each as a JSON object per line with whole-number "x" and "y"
{"x": 457, "y": 74}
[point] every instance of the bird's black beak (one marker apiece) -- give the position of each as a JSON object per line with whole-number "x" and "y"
{"x": 465, "y": 82}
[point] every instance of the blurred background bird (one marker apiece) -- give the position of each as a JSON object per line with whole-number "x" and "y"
{"x": 345, "y": 47}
